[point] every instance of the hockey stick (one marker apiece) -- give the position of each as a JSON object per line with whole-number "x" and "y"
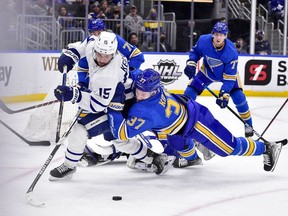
{"x": 61, "y": 106}
{"x": 274, "y": 117}
{"x": 29, "y": 194}
{"x": 9, "y": 111}
{"x": 284, "y": 141}
{"x": 31, "y": 143}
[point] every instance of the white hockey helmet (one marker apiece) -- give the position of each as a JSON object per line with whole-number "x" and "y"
{"x": 106, "y": 43}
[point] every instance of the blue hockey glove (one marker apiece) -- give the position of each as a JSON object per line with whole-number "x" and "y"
{"x": 68, "y": 93}
{"x": 190, "y": 69}
{"x": 135, "y": 73}
{"x": 223, "y": 99}
{"x": 68, "y": 58}
{"x": 117, "y": 102}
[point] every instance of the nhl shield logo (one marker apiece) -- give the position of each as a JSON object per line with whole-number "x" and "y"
{"x": 168, "y": 70}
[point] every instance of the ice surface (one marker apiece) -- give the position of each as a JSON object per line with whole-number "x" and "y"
{"x": 232, "y": 186}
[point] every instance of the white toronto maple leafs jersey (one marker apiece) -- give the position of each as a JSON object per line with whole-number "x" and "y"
{"x": 103, "y": 80}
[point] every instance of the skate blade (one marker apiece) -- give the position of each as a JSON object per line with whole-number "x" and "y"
{"x": 67, "y": 177}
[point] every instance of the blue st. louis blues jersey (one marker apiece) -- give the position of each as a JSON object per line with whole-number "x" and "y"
{"x": 132, "y": 53}
{"x": 218, "y": 65}
{"x": 162, "y": 113}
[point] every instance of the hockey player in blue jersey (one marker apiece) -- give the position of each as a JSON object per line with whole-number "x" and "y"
{"x": 220, "y": 60}
{"x": 182, "y": 119}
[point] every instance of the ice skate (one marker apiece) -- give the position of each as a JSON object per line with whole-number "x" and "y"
{"x": 161, "y": 163}
{"x": 182, "y": 162}
{"x": 207, "y": 154}
{"x": 62, "y": 172}
{"x": 271, "y": 155}
{"x": 90, "y": 159}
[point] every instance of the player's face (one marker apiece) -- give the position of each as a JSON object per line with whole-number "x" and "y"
{"x": 95, "y": 33}
{"x": 103, "y": 59}
{"x": 141, "y": 95}
{"x": 218, "y": 39}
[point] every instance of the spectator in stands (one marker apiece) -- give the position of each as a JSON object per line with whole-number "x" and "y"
{"x": 69, "y": 26}
{"x": 65, "y": 18}
{"x": 133, "y": 39}
{"x": 276, "y": 10}
{"x": 262, "y": 46}
{"x": 105, "y": 8}
{"x": 115, "y": 25}
{"x": 134, "y": 22}
{"x": 241, "y": 46}
{"x": 164, "y": 45}
{"x": 151, "y": 25}
{"x": 96, "y": 12}
{"x": 80, "y": 9}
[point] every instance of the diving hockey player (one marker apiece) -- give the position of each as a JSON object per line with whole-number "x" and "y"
{"x": 182, "y": 119}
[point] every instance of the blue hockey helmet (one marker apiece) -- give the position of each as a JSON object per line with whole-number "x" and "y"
{"x": 220, "y": 27}
{"x": 96, "y": 25}
{"x": 148, "y": 80}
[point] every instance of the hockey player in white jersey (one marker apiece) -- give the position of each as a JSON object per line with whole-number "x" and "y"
{"x": 107, "y": 68}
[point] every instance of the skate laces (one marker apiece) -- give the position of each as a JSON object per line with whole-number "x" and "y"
{"x": 267, "y": 159}
{"x": 63, "y": 168}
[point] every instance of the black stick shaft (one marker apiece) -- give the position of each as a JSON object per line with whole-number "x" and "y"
{"x": 274, "y": 117}
{"x": 31, "y": 143}
{"x": 231, "y": 110}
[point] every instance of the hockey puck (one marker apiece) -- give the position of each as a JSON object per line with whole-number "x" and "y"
{"x": 116, "y": 198}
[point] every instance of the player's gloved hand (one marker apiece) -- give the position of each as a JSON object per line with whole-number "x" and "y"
{"x": 223, "y": 99}
{"x": 68, "y": 93}
{"x": 134, "y": 73}
{"x": 190, "y": 69}
{"x": 116, "y": 154}
{"x": 68, "y": 58}
{"x": 117, "y": 102}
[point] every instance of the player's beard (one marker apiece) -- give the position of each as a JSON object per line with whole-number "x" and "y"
{"x": 102, "y": 64}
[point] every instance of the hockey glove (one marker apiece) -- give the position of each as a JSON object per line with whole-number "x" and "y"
{"x": 135, "y": 73}
{"x": 223, "y": 99}
{"x": 68, "y": 58}
{"x": 68, "y": 93}
{"x": 190, "y": 69}
{"x": 117, "y": 102}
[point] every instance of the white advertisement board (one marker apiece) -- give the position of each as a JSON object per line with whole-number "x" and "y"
{"x": 32, "y": 75}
